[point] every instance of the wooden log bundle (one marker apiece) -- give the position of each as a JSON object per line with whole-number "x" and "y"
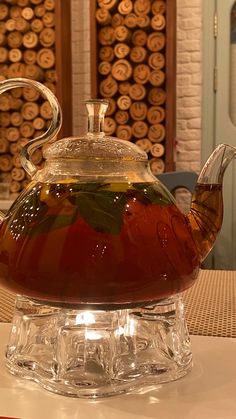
{"x": 27, "y": 49}
{"x": 131, "y": 63}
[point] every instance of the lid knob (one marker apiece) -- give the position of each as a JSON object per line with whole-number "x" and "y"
{"x": 96, "y": 109}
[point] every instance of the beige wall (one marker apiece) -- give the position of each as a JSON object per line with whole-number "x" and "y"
{"x": 81, "y": 62}
{"x": 189, "y": 65}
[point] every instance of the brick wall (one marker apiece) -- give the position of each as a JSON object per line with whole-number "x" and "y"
{"x": 189, "y": 81}
{"x": 189, "y": 62}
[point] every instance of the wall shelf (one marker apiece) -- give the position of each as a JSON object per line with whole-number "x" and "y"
{"x": 35, "y": 43}
{"x": 152, "y": 34}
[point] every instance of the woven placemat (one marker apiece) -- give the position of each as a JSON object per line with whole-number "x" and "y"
{"x": 210, "y": 305}
{"x": 7, "y": 302}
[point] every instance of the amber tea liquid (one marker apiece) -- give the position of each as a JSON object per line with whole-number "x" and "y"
{"x": 206, "y": 216}
{"x": 108, "y": 244}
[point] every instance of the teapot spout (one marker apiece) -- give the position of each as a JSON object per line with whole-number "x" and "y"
{"x": 214, "y": 169}
{"x": 206, "y": 212}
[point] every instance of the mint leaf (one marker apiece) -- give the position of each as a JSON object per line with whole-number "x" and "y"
{"x": 152, "y": 193}
{"x": 52, "y": 222}
{"x": 102, "y": 210}
{"x": 98, "y": 204}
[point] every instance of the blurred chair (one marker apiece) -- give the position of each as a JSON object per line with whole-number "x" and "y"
{"x": 178, "y": 179}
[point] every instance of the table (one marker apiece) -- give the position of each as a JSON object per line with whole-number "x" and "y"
{"x": 207, "y": 392}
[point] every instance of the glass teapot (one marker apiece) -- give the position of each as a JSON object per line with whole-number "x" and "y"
{"x": 95, "y": 227}
{"x": 95, "y": 230}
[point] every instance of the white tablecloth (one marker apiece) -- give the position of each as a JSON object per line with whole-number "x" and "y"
{"x": 208, "y": 392}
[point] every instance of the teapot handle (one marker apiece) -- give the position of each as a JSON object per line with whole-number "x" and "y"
{"x": 54, "y": 127}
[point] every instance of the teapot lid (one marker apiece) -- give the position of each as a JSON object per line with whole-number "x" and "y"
{"x": 95, "y": 144}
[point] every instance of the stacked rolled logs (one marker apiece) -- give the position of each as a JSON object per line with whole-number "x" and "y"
{"x": 27, "y": 49}
{"x": 131, "y": 66}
